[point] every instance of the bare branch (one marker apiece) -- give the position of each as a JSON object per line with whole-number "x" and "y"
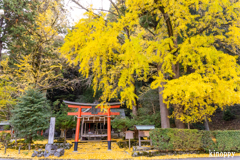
{"x": 150, "y": 31}
{"x": 80, "y": 5}
{"x": 115, "y": 7}
{"x": 127, "y": 32}
{"x": 106, "y": 11}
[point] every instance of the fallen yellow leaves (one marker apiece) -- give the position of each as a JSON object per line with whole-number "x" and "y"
{"x": 93, "y": 150}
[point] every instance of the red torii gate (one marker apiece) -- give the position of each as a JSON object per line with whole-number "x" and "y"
{"x": 80, "y": 113}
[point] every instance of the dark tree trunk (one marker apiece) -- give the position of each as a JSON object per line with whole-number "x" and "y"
{"x": 15, "y": 134}
{"x": 178, "y": 109}
{"x": 1, "y": 47}
{"x": 29, "y": 144}
{"x": 1, "y": 42}
{"x": 134, "y": 110}
{"x": 165, "y": 123}
{"x": 179, "y": 124}
{"x": 65, "y": 136}
{"x": 175, "y": 67}
{"x": 5, "y": 149}
{"x": 206, "y": 124}
{"x": 62, "y": 133}
{"x": 134, "y": 107}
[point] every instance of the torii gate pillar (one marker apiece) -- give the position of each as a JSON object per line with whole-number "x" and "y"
{"x": 77, "y": 129}
{"x": 109, "y": 129}
{"x": 80, "y": 113}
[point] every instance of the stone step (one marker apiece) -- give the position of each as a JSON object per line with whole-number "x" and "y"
{"x": 142, "y": 148}
{"x": 148, "y": 153}
{"x": 125, "y": 143}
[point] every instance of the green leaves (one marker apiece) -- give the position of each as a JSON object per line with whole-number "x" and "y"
{"x": 63, "y": 121}
{"x": 19, "y": 21}
{"x": 31, "y": 114}
{"x": 186, "y": 139}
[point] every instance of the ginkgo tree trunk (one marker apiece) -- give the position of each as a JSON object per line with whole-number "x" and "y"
{"x": 112, "y": 55}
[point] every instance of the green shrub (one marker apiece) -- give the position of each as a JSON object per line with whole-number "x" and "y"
{"x": 26, "y": 153}
{"x": 228, "y": 140}
{"x": 5, "y": 139}
{"x": 122, "y": 124}
{"x": 30, "y": 115}
{"x": 161, "y": 139}
{"x": 207, "y": 141}
{"x": 228, "y": 115}
{"x": 144, "y": 117}
{"x": 185, "y": 139}
{"x": 172, "y": 139}
{"x": 198, "y": 125}
{"x": 6, "y": 127}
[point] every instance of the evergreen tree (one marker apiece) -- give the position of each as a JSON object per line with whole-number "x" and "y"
{"x": 63, "y": 121}
{"x": 17, "y": 25}
{"x": 30, "y": 115}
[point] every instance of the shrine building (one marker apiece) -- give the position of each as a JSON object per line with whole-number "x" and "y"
{"x": 95, "y": 124}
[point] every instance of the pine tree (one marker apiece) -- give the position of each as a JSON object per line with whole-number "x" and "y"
{"x": 30, "y": 115}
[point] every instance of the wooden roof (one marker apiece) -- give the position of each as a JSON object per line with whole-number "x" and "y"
{"x": 100, "y": 118}
{"x": 144, "y": 127}
{"x": 89, "y": 104}
{"x": 92, "y": 114}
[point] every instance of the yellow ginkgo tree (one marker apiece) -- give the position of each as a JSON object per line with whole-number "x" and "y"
{"x": 38, "y": 68}
{"x": 189, "y": 47}
{"x": 42, "y": 65}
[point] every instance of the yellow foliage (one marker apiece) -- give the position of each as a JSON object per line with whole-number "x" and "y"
{"x": 94, "y": 150}
{"x": 7, "y": 89}
{"x": 39, "y": 67}
{"x": 115, "y": 52}
{"x": 6, "y": 92}
{"x": 42, "y": 65}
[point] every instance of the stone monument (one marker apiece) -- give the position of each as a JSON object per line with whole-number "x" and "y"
{"x": 50, "y": 148}
{"x": 51, "y": 130}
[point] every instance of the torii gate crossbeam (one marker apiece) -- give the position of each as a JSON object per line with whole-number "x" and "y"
{"x": 80, "y": 113}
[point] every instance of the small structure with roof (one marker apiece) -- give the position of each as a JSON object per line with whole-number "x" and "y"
{"x": 2, "y": 124}
{"x": 129, "y": 136}
{"x": 95, "y": 126}
{"x": 143, "y": 131}
{"x": 90, "y": 113}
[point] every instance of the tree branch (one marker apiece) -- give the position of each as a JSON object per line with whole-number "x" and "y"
{"x": 83, "y": 7}
{"x": 150, "y": 31}
{"x": 202, "y": 30}
{"x": 223, "y": 46}
{"x": 115, "y": 7}
{"x": 106, "y": 11}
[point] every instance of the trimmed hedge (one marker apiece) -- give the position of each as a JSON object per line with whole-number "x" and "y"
{"x": 227, "y": 140}
{"x": 192, "y": 139}
{"x": 172, "y": 139}
{"x": 207, "y": 141}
